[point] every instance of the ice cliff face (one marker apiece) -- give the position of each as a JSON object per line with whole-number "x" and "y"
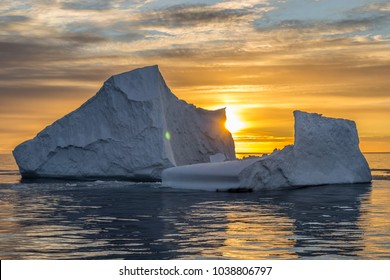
{"x": 134, "y": 127}
{"x": 325, "y": 151}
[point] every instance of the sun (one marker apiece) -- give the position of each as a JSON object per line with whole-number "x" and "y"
{"x": 233, "y": 122}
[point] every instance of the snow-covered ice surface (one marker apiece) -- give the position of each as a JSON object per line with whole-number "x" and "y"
{"x": 325, "y": 151}
{"x": 133, "y": 128}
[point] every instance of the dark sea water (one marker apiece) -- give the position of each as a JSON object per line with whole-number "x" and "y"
{"x": 124, "y": 220}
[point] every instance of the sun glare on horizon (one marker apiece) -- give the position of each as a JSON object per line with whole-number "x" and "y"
{"x": 233, "y": 122}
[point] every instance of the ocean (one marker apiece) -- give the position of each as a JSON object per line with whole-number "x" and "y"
{"x": 126, "y": 220}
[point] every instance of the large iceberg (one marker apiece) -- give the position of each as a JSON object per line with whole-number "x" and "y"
{"x": 325, "y": 151}
{"x": 133, "y": 128}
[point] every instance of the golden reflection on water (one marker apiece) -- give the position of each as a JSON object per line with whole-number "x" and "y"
{"x": 316, "y": 222}
{"x": 264, "y": 236}
{"x": 375, "y": 222}
{"x": 237, "y": 230}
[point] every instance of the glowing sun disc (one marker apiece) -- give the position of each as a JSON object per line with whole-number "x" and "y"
{"x": 233, "y": 122}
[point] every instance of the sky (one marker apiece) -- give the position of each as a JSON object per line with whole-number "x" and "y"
{"x": 262, "y": 59}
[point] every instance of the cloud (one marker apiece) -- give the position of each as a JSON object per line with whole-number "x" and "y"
{"x": 10, "y": 19}
{"x": 34, "y": 53}
{"x": 96, "y": 5}
{"x": 33, "y": 68}
{"x": 178, "y": 52}
{"x": 192, "y": 15}
{"x": 322, "y": 20}
{"x": 49, "y": 73}
{"x": 92, "y": 32}
{"x": 82, "y": 38}
{"x": 372, "y": 7}
{"x": 321, "y": 27}
{"x": 40, "y": 92}
{"x": 15, "y": 53}
{"x": 361, "y": 23}
{"x": 102, "y": 5}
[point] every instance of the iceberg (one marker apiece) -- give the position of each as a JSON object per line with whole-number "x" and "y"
{"x": 133, "y": 128}
{"x": 325, "y": 151}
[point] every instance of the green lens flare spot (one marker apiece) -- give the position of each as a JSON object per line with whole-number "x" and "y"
{"x": 167, "y": 135}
